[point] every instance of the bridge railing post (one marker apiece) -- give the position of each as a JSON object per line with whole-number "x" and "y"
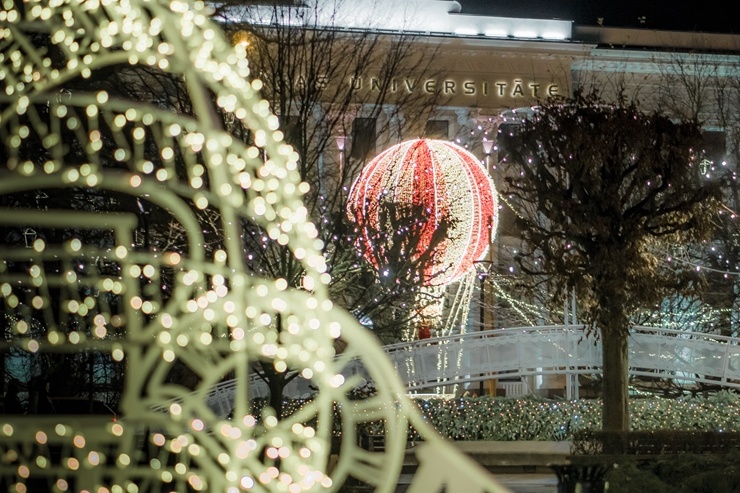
{"x": 519, "y": 348}
{"x": 571, "y": 375}
{"x": 726, "y": 362}
{"x": 568, "y": 379}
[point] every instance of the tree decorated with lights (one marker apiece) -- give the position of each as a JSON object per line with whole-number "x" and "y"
{"x": 308, "y": 67}
{"x": 328, "y": 85}
{"x": 703, "y": 87}
{"x": 426, "y": 209}
{"x": 706, "y": 87}
{"x": 598, "y": 188}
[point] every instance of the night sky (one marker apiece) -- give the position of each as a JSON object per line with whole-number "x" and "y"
{"x": 701, "y": 16}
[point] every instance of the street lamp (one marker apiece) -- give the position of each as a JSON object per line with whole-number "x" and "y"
{"x": 341, "y": 144}
{"x": 487, "y": 149}
{"x": 241, "y": 38}
{"x": 483, "y": 268}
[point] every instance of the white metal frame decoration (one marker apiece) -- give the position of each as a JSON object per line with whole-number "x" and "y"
{"x": 218, "y": 319}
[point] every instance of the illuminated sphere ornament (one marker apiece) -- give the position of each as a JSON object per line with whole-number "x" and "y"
{"x": 449, "y": 196}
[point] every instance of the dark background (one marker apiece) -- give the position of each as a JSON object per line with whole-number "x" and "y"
{"x": 701, "y": 16}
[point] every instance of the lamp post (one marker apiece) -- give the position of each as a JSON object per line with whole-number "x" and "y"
{"x": 341, "y": 144}
{"x": 487, "y": 149}
{"x": 482, "y": 315}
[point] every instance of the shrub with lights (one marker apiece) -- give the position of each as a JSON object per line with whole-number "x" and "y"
{"x": 531, "y": 418}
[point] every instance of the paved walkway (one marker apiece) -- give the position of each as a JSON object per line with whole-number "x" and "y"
{"x": 512, "y": 457}
{"x": 520, "y": 466}
{"x": 529, "y": 483}
{"x": 523, "y": 466}
{"x": 514, "y": 454}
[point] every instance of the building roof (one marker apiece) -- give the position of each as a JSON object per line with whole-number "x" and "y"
{"x": 473, "y": 19}
{"x": 665, "y": 15}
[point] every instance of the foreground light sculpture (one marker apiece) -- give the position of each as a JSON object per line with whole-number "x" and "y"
{"x": 70, "y": 295}
{"x": 445, "y": 186}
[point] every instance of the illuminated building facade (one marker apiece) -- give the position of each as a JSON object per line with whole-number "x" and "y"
{"x": 485, "y": 71}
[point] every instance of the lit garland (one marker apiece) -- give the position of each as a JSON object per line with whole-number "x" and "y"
{"x": 444, "y": 182}
{"x": 520, "y": 307}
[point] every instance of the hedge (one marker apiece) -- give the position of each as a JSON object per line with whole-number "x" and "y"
{"x": 532, "y": 418}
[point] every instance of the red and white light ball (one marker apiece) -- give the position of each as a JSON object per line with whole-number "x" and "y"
{"x": 444, "y": 182}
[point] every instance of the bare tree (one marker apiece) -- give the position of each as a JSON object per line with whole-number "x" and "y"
{"x": 334, "y": 91}
{"x": 403, "y": 256}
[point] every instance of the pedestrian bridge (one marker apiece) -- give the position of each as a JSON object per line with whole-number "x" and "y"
{"x": 432, "y": 364}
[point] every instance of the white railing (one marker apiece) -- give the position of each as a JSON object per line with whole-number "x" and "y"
{"x": 513, "y": 389}
{"x": 524, "y": 351}
{"x": 495, "y": 354}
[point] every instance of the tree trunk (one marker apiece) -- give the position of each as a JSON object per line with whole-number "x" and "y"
{"x": 276, "y": 385}
{"x": 615, "y": 415}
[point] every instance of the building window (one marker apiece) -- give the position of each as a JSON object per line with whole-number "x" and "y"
{"x": 363, "y": 138}
{"x": 437, "y": 129}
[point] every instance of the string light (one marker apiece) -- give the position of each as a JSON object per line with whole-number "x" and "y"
{"x": 532, "y": 418}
